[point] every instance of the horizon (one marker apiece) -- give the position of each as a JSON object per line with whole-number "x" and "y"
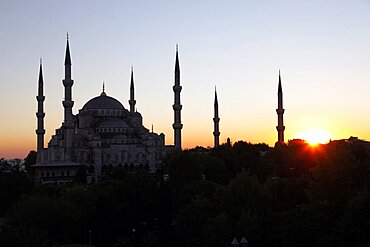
{"x": 320, "y": 47}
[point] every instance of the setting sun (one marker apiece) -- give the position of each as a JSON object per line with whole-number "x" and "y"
{"x": 315, "y": 136}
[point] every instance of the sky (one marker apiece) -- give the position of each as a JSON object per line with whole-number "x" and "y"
{"x": 322, "y": 48}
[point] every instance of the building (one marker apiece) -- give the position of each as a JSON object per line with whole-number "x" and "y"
{"x": 103, "y": 135}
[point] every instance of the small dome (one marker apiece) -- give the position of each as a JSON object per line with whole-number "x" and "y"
{"x": 103, "y": 102}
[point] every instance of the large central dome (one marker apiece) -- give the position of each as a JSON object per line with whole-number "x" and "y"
{"x": 103, "y": 102}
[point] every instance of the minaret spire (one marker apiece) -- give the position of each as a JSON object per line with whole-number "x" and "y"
{"x": 68, "y": 124}
{"x": 132, "y": 100}
{"x": 216, "y": 121}
{"x": 280, "y": 112}
{"x": 280, "y": 90}
{"x": 177, "y": 65}
{"x": 40, "y": 114}
{"x": 177, "y": 126}
{"x": 67, "y": 60}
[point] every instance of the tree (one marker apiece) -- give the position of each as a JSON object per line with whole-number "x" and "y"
{"x": 13, "y": 185}
{"x": 355, "y": 223}
{"x": 29, "y": 161}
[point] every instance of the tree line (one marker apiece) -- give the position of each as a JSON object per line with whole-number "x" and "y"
{"x": 289, "y": 195}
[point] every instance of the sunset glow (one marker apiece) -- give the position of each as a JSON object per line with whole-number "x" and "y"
{"x": 238, "y": 47}
{"x": 315, "y": 136}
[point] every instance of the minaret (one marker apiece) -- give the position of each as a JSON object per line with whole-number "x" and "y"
{"x": 132, "y": 100}
{"x": 40, "y": 131}
{"x": 216, "y": 121}
{"x": 280, "y": 111}
{"x": 68, "y": 104}
{"x": 177, "y": 126}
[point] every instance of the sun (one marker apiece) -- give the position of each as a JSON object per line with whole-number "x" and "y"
{"x": 315, "y": 136}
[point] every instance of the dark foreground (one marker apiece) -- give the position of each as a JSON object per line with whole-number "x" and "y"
{"x": 293, "y": 195}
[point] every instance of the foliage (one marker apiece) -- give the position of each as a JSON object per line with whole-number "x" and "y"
{"x": 13, "y": 185}
{"x": 29, "y": 161}
{"x": 291, "y": 195}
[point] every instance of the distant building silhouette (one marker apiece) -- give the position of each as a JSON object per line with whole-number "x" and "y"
{"x": 216, "y": 121}
{"x": 228, "y": 142}
{"x": 101, "y": 137}
{"x": 177, "y": 126}
{"x": 280, "y": 112}
{"x": 352, "y": 140}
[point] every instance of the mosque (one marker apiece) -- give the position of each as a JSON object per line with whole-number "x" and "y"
{"x": 104, "y": 135}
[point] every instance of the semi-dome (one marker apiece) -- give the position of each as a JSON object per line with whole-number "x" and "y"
{"x": 103, "y": 102}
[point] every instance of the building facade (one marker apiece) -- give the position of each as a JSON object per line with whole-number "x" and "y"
{"x": 102, "y": 136}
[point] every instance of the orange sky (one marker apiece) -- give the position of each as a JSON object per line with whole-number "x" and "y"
{"x": 321, "y": 47}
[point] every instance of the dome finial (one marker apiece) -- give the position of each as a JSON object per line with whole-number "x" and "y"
{"x": 103, "y": 93}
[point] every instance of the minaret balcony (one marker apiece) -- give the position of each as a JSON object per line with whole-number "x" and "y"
{"x": 177, "y": 88}
{"x": 40, "y": 114}
{"x": 280, "y": 111}
{"x": 68, "y": 82}
{"x": 177, "y": 107}
{"x": 68, "y": 103}
{"x": 177, "y": 126}
{"x": 40, "y": 131}
{"x": 40, "y": 98}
